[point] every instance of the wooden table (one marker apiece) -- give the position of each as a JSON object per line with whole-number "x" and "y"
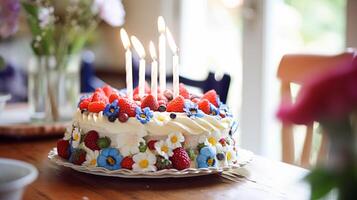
{"x": 267, "y": 180}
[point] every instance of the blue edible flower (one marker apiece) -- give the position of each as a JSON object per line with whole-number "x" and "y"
{"x": 214, "y": 109}
{"x": 112, "y": 110}
{"x": 207, "y": 157}
{"x": 110, "y": 158}
{"x": 192, "y": 110}
{"x": 144, "y": 115}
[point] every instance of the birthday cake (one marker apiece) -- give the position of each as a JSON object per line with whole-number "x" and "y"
{"x": 147, "y": 134}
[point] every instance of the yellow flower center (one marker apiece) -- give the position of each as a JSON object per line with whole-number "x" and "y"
{"x": 76, "y": 136}
{"x": 212, "y": 141}
{"x": 93, "y": 162}
{"x": 174, "y": 139}
{"x": 229, "y": 155}
{"x": 111, "y": 110}
{"x": 161, "y": 118}
{"x": 210, "y": 162}
{"x": 144, "y": 163}
{"x": 110, "y": 160}
{"x": 164, "y": 149}
{"x": 143, "y": 116}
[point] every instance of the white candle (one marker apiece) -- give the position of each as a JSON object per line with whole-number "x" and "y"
{"x": 175, "y": 63}
{"x": 141, "y": 52}
{"x": 128, "y": 63}
{"x": 153, "y": 70}
{"x": 162, "y": 53}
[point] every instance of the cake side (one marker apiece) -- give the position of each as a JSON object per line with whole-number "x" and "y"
{"x": 152, "y": 139}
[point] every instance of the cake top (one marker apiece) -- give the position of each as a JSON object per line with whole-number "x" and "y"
{"x": 114, "y": 104}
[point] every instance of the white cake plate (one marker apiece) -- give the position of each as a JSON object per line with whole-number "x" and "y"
{"x": 244, "y": 157}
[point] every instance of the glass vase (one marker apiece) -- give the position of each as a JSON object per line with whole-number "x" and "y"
{"x": 53, "y": 87}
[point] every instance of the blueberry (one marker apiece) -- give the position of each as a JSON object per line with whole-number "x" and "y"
{"x": 172, "y": 115}
{"x": 220, "y": 156}
{"x": 112, "y": 118}
{"x": 162, "y": 108}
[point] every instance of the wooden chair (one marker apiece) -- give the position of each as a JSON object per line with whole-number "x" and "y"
{"x": 297, "y": 69}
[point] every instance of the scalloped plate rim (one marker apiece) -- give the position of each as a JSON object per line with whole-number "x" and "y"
{"x": 167, "y": 173}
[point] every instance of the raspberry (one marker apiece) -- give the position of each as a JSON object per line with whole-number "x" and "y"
{"x": 180, "y": 159}
{"x": 63, "y": 149}
{"x": 91, "y": 140}
{"x": 114, "y": 96}
{"x": 168, "y": 94}
{"x": 151, "y": 102}
{"x": 107, "y": 90}
{"x": 204, "y": 105}
{"x": 127, "y": 163}
{"x": 183, "y": 91}
{"x": 83, "y": 105}
{"x": 162, "y": 98}
{"x": 78, "y": 156}
{"x": 127, "y": 106}
{"x": 212, "y": 97}
{"x": 176, "y": 105}
{"x": 151, "y": 144}
{"x": 96, "y": 107}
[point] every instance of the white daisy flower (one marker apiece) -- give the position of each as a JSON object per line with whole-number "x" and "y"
{"x": 76, "y": 137}
{"x": 213, "y": 138}
{"x": 144, "y": 162}
{"x": 163, "y": 149}
{"x": 161, "y": 119}
{"x": 174, "y": 140}
{"x": 128, "y": 144}
{"x": 91, "y": 158}
{"x": 231, "y": 155}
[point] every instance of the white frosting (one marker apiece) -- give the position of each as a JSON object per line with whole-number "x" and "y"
{"x": 160, "y": 125}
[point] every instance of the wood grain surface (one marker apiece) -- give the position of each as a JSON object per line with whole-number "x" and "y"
{"x": 266, "y": 180}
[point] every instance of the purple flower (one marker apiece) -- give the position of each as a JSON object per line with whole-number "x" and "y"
{"x": 111, "y": 11}
{"x": 9, "y": 12}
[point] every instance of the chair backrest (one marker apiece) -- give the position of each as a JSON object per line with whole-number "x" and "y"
{"x": 298, "y": 68}
{"x": 221, "y": 86}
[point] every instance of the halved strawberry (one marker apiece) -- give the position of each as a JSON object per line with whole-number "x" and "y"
{"x": 183, "y": 91}
{"x": 176, "y": 105}
{"x": 127, "y": 106}
{"x": 204, "y": 105}
{"x": 212, "y": 97}
{"x": 83, "y": 105}
{"x": 107, "y": 90}
{"x": 96, "y": 107}
{"x": 114, "y": 96}
{"x": 99, "y": 96}
{"x": 151, "y": 102}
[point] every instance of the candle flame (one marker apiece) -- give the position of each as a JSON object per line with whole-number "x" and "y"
{"x": 161, "y": 24}
{"x": 152, "y": 50}
{"x": 171, "y": 41}
{"x": 124, "y": 38}
{"x": 139, "y": 48}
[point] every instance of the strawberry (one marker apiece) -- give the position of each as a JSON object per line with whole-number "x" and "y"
{"x": 63, "y": 149}
{"x": 162, "y": 102}
{"x": 180, "y": 159}
{"x": 98, "y": 96}
{"x": 96, "y": 107}
{"x": 151, "y": 144}
{"x": 127, "y": 163}
{"x": 127, "y": 106}
{"x": 151, "y": 102}
{"x": 100, "y": 91}
{"x": 176, "y": 105}
{"x": 204, "y": 105}
{"x": 83, "y": 105}
{"x": 91, "y": 140}
{"x": 195, "y": 100}
{"x": 212, "y": 97}
{"x": 147, "y": 89}
{"x": 107, "y": 90}
{"x": 78, "y": 156}
{"x": 136, "y": 97}
{"x": 183, "y": 91}
{"x": 114, "y": 96}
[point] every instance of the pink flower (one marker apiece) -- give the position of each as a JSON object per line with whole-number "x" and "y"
{"x": 9, "y": 13}
{"x": 111, "y": 11}
{"x": 326, "y": 97}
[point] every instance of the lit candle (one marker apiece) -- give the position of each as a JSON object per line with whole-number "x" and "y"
{"x": 153, "y": 70}
{"x": 162, "y": 53}
{"x": 128, "y": 63}
{"x": 141, "y": 52}
{"x": 175, "y": 63}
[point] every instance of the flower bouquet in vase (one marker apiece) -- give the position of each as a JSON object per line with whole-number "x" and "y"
{"x": 331, "y": 100}
{"x": 60, "y": 30}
